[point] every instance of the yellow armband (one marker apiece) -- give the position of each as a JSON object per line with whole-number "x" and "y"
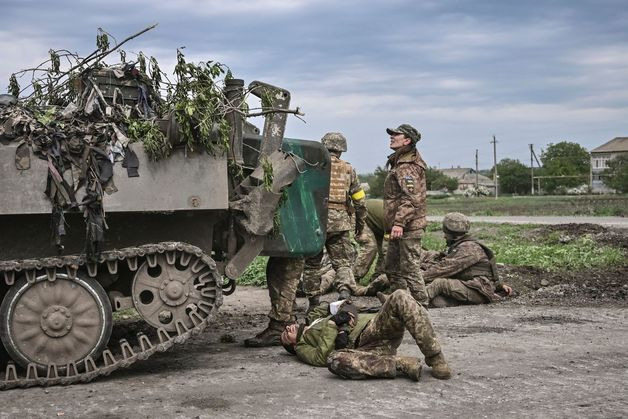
{"x": 358, "y": 195}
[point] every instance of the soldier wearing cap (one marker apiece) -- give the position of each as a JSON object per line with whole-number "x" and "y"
{"x": 345, "y": 197}
{"x": 405, "y": 194}
{"x": 466, "y": 273}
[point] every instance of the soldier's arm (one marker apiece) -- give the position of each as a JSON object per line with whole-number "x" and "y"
{"x": 461, "y": 258}
{"x": 358, "y": 197}
{"x": 315, "y": 345}
{"x": 411, "y": 180}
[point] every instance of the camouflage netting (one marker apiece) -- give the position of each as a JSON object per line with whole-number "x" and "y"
{"x": 84, "y": 119}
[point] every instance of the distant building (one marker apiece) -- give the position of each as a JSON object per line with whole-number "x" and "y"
{"x": 466, "y": 179}
{"x": 599, "y": 161}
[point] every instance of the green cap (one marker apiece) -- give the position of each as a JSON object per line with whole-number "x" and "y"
{"x": 406, "y": 129}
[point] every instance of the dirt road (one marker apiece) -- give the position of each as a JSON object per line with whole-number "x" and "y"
{"x": 510, "y": 360}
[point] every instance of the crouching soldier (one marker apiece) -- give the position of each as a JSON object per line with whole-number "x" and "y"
{"x": 364, "y": 345}
{"x": 466, "y": 273}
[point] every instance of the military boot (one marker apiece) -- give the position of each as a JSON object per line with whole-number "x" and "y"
{"x": 344, "y": 294}
{"x": 271, "y": 336}
{"x": 409, "y": 366}
{"x": 440, "y": 369}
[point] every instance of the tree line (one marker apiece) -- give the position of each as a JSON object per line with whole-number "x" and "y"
{"x": 565, "y": 158}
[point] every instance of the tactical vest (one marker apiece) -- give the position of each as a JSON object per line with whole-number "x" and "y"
{"x": 488, "y": 269}
{"x": 339, "y": 184}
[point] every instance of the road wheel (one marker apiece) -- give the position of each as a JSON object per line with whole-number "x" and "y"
{"x": 55, "y": 322}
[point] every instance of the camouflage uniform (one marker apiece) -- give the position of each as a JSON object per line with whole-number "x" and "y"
{"x": 282, "y": 277}
{"x": 344, "y": 187}
{"x": 465, "y": 274}
{"x": 372, "y": 241}
{"x": 405, "y": 194}
{"x": 374, "y": 340}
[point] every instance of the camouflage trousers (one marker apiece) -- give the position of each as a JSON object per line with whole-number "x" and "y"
{"x": 374, "y": 355}
{"x": 341, "y": 255}
{"x": 448, "y": 292}
{"x": 370, "y": 247}
{"x": 403, "y": 267}
{"x": 282, "y": 277}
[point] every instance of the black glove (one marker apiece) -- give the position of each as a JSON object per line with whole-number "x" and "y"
{"x": 359, "y": 228}
{"x": 341, "y": 318}
{"x": 342, "y": 340}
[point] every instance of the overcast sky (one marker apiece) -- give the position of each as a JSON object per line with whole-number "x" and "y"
{"x": 459, "y": 71}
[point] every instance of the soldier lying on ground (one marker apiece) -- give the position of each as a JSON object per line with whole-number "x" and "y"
{"x": 364, "y": 345}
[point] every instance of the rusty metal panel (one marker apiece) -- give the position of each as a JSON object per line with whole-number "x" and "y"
{"x": 193, "y": 182}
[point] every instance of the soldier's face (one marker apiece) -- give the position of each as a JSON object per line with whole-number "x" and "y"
{"x": 398, "y": 141}
{"x": 289, "y": 334}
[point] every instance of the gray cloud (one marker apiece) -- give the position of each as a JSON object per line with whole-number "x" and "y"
{"x": 461, "y": 71}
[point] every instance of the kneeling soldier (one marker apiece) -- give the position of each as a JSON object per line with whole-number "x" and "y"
{"x": 466, "y": 273}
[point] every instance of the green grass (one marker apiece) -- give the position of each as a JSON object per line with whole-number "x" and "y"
{"x": 592, "y": 205}
{"x": 513, "y": 244}
{"x": 532, "y": 245}
{"x": 255, "y": 273}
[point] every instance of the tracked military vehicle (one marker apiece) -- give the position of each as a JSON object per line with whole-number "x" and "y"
{"x": 178, "y": 236}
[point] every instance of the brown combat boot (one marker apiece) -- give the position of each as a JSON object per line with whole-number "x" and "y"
{"x": 440, "y": 369}
{"x": 271, "y": 336}
{"x": 409, "y": 366}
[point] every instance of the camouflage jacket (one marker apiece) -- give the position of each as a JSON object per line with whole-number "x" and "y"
{"x": 405, "y": 191}
{"x": 469, "y": 261}
{"x": 353, "y": 199}
{"x": 318, "y": 340}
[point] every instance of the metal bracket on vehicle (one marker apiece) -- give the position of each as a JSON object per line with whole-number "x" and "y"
{"x": 244, "y": 257}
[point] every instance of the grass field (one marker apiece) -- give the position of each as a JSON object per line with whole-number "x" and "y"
{"x": 595, "y": 205}
{"x": 513, "y": 244}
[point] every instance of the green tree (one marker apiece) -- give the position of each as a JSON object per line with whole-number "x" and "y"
{"x": 514, "y": 177}
{"x": 616, "y": 176}
{"x": 437, "y": 180}
{"x": 375, "y": 181}
{"x": 565, "y": 159}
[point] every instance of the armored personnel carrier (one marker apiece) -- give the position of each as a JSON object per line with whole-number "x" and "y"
{"x": 175, "y": 239}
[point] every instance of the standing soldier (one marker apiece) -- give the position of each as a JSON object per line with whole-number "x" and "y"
{"x": 345, "y": 197}
{"x": 405, "y": 212}
{"x": 282, "y": 277}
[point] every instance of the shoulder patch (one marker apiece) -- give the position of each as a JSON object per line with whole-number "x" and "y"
{"x": 409, "y": 183}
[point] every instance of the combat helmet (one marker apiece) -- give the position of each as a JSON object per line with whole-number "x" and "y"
{"x": 456, "y": 222}
{"x": 334, "y": 141}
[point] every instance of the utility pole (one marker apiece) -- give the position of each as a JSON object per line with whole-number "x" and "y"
{"x": 495, "y": 164}
{"x": 476, "y": 170}
{"x": 531, "y": 170}
{"x": 533, "y": 154}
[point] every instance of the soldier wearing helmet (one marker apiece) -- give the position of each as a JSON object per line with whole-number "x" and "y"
{"x": 466, "y": 272}
{"x": 345, "y": 197}
{"x": 405, "y": 194}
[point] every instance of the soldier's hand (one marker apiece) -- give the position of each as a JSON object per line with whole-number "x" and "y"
{"x": 505, "y": 289}
{"x": 342, "y": 340}
{"x": 396, "y": 232}
{"x": 341, "y": 318}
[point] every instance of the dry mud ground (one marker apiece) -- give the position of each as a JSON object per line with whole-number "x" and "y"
{"x": 558, "y": 349}
{"x": 509, "y": 360}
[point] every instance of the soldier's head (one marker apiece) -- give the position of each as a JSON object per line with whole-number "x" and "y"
{"x": 335, "y": 142}
{"x": 455, "y": 225}
{"x": 403, "y": 135}
{"x": 290, "y": 336}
